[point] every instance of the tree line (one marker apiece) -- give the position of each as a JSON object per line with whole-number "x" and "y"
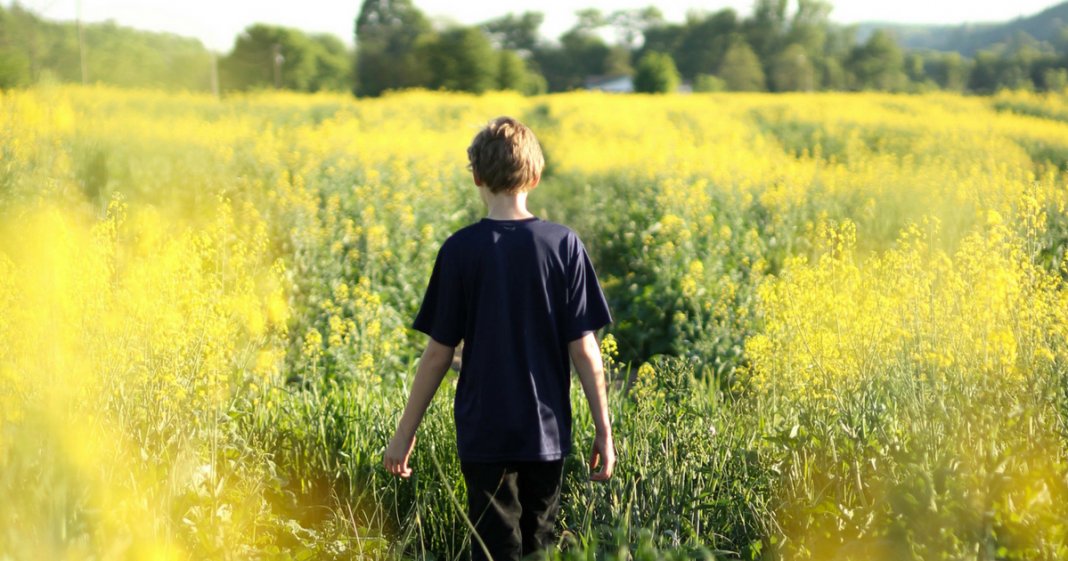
{"x": 782, "y": 45}
{"x": 35, "y": 50}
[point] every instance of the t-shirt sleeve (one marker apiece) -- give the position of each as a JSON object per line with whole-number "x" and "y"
{"x": 441, "y": 316}
{"x": 587, "y": 308}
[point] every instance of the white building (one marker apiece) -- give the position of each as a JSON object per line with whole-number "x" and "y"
{"x": 612, "y": 84}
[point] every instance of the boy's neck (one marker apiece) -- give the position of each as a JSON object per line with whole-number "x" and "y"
{"x": 505, "y": 206}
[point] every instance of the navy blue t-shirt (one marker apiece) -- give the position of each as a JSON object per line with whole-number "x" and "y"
{"x": 516, "y": 292}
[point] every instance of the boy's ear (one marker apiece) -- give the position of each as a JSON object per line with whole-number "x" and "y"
{"x": 537, "y": 178}
{"x": 477, "y": 179}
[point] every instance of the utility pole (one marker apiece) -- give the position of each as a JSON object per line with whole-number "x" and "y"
{"x": 81, "y": 45}
{"x": 278, "y": 60}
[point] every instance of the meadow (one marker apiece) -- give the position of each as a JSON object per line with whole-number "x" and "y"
{"x": 841, "y": 322}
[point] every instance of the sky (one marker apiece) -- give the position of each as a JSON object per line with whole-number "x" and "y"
{"x": 217, "y": 22}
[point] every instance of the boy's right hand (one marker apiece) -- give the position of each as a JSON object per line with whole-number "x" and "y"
{"x": 604, "y": 454}
{"x": 397, "y": 453}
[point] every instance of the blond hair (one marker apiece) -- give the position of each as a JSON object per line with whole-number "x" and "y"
{"x": 506, "y": 156}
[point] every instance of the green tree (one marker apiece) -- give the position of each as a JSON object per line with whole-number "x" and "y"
{"x": 511, "y": 71}
{"x": 589, "y": 20}
{"x": 1055, "y": 79}
{"x": 617, "y": 61}
{"x": 584, "y": 47}
{"x": 561, "y": 72}
{"x": 656, "y": 73}
{"x": 333, "y": 64}
{"x": 267, "y": 55}
{"x": 830, "y": 65}
{"x": 515, "y": 33}
{"x": 996, "y": 69}
{"x": 914, "y": 67}
{"x": 14, "y": 62}
{"x": 831, "y": 74}
{"x": 18, "y": 29}
{"x": 631, "y": 25}
{"x": 765, "y": 30}
{"x": 664, "y": 38}
{"x": 515, "y": 74}
{"x": 462, "y": 59}
{"x": 949, "y": 71}
{"x": 704, "y": 42}
{"x": 581, "y": 54}
{"x": 389, "y": 36}
{"x": 878, "y": 64}
{"x": 708, "y": 83}
{"x": 810, "y": 26}
{"x": 792, "y": 70}
{"x": 985, "y": 73}
{"x": 741, "y": 69}
{"x": 14, "y": 68}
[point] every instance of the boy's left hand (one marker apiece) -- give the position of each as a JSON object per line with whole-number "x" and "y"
{"x": 397, "y": 453}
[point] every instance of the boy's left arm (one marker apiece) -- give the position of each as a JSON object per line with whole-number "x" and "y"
{"x": 433, "y": 365}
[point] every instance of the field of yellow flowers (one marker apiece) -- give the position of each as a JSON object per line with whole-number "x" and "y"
{"x": 841, "y": 322}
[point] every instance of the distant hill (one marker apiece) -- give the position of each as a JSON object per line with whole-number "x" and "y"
{"x": 969, "y": 38}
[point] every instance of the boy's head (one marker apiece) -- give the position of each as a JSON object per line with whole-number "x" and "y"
{"x": 505, "y": 157}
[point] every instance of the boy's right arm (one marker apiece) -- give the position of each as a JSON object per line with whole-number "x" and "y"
{"x": 586, "y": 355}
{"x": 432, "y": 367}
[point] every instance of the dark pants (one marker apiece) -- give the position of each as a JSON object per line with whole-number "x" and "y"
{"x": 513, "y": 506}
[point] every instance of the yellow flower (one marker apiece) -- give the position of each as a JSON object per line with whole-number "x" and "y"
{"x": 313, "y": 344}
{"x": 366, "y": 362}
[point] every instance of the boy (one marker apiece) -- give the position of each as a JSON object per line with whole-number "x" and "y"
{"x": 523, "y": 296}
